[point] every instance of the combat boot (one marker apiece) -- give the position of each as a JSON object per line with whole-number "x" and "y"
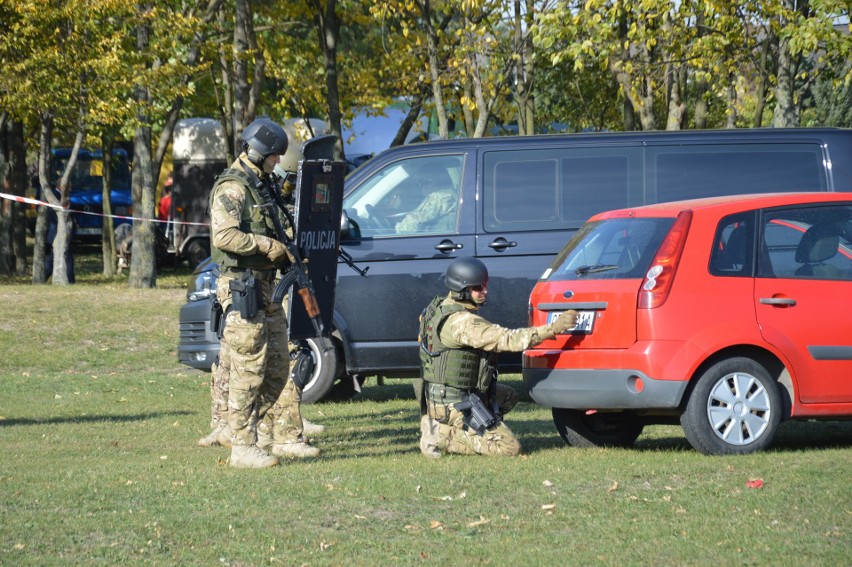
{"x": 251, "y": 457}
{"x": 212, "y": 438}
{"x": 224, "y": 437}
{"x": 429, "y": 437}
{"x": 310, "y": 428}
{"x": 295, "y": 449}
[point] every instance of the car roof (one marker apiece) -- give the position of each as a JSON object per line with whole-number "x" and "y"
{"x": 727, "y": 204}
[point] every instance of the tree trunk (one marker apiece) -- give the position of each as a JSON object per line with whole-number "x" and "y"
{"x": 39, "y": 273}
{"x": 143, "y": 268}
{"x": 6, "y": 185}
{"x": 677, "y": 108}
{"x": 524, "y": 69}
{"x": 61, "y": 249}
{"x": 434, "y": 69}
{"x": 731, "y": 98}
{"x": 108, "y": 233}
{"x": 328, "y": 30}
{"x": 20, "y": 182}
{"x": 241, "y": 84}
{"x": 410, "y": 117}
{"x": 786, "y": 111}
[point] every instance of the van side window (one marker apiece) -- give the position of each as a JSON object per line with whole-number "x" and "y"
{"x": 689, "y": 172}
{"x": 808, "y": 243}
{"x": 414, "y": 196}
{"x": 548, "y": 189}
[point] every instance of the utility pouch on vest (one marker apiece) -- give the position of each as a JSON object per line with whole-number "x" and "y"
{"x": 217, "y": 318}
{"x": 476, "y": 416}
{"x": 247, "y": 295}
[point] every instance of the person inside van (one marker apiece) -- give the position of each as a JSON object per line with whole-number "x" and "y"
{"x": 437, "y": 211}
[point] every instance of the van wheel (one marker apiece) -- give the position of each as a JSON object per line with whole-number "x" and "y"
{"x": 327, "y": 366}
{"x": 734, "y": 409}
{"x": 601, "y": 429}
{"x": 196, "y": 252}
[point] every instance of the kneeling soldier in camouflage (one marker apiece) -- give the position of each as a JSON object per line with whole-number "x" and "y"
{"x": 464, "y": 404}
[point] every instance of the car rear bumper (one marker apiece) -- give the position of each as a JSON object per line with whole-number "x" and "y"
{"x": 601, "y": 389}
{"x": 198, "y": 346}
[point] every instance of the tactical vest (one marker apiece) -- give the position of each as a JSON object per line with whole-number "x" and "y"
{"x": 463, "y": 368}
{"x": 252, "y": 220}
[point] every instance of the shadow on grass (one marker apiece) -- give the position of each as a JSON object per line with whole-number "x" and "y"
{"x": 90, "y": 418}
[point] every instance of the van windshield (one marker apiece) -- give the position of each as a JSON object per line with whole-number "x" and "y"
{"x": 610, "y": 249}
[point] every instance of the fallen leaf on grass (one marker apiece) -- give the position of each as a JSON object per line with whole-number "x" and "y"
{"x": 435, "y": 524}
{"x": 548, "y": 506}
{"x": 547, "y": 483}
{"x": 481, "y": 521}
{"x": 360, "y": 517}
{"x": 614, "y": 487}
{"x": 754, "y": 483}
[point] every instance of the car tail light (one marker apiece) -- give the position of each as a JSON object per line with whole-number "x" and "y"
{"x": 658, "y": 280}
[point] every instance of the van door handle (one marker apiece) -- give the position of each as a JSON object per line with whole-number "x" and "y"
{"x": 777, "y": 301}
{"x": 447, "y": 246}
{"x": 500, "y": 244}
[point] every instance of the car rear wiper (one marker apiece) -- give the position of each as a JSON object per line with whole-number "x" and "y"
{"x": 582, "y": 270}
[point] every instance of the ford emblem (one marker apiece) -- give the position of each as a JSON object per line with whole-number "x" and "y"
{"x": 568, "y": 294}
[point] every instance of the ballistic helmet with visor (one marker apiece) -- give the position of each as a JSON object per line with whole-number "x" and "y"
{"x": 263, "y": 138}
{"x": 463, "y": 273}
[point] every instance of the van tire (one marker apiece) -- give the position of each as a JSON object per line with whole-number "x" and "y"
{"x": 734, "y": 409}
{"x": 327, "y": 368}
{"x": 602, "y": 429}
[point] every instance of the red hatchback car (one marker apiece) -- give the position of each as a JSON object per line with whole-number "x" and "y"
{"x": 728, "y": 314}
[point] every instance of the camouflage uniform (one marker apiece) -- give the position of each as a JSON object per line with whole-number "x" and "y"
{"x": 436, "y": 213}
{"x": 465, "y": 330}
{"x": 256, "y": 348}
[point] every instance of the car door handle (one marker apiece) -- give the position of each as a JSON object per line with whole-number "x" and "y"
{"x": 446, "y": 246}
{"x": 777, "y": 301}
{"x": 501, "y": 244}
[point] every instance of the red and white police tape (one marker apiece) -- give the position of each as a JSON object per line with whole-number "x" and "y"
{"x": 30, "y": 201}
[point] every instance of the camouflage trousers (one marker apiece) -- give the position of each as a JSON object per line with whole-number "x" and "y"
{"x": 455, "y": 437}
{"x": 253, "y": 374}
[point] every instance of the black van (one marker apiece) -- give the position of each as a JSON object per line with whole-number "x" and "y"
{"x": 514, "y": 202}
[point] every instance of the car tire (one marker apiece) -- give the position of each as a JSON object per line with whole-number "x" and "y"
{"x": 328, "y": 365}
{"x": 601, "y": 429}
{"x": 196, "y": 252}
{"x": 734, "y": 409}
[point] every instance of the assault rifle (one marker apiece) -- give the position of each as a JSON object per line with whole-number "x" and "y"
{"x": 296, "y": 274}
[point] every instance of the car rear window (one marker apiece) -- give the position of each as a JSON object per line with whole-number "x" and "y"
{"x": 610, "y": 249}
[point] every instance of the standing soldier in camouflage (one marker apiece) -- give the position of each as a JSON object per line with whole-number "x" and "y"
{"x": 243, "y": 243}
{"x": 457, "y": 352}
{"x": 220, "y": 433}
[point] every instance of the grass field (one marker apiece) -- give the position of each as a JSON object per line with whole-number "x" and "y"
{"x": 98, "y": 430}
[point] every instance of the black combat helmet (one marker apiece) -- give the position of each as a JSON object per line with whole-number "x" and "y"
{"x": 263, "y": 138}
{"x": 463, "y": 273}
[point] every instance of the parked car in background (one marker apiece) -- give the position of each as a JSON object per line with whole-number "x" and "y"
{"x": 726, "y": 314}
{"x": 86, "y": 196}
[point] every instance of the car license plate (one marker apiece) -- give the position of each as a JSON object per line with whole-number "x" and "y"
{"x": 585, "y": 321}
